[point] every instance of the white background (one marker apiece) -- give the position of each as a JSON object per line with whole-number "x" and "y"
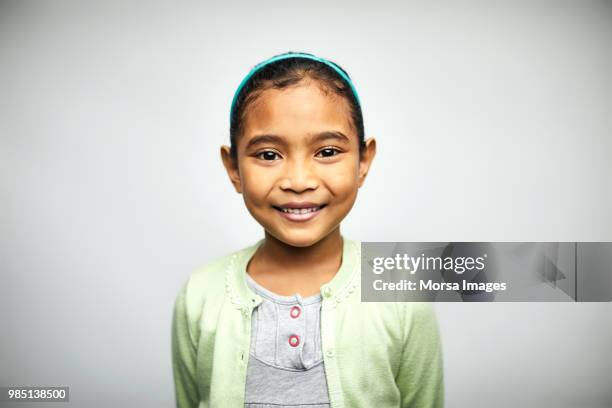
{"x": 493, "y": 122}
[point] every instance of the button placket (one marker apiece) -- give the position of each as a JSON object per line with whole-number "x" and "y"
{"x": 295, "y": 339}
{"x": 296, "y": 332}
{"x": 300, "y": 344}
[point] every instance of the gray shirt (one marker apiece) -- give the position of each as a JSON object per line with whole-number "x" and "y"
{"x": 285, "y": 367}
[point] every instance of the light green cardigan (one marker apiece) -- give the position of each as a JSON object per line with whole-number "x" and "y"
{"x": 376, "y": 355}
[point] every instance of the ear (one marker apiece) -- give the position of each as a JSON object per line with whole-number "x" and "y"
{"x": 231, "y": 166}
{"x": 365, "y": 161}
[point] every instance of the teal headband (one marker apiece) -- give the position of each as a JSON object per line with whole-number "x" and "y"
{"x": 292, "y": 55}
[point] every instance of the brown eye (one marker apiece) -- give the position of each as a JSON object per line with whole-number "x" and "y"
{"x": 267, "y": 155}
{"x": 328, "y": 152}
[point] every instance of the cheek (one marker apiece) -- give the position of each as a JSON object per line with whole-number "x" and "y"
{"x": 256, "y": 184}
{"x": 253, "y": 194}
{"x": 343, "y": 182}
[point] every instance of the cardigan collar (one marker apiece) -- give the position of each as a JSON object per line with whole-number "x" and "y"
{"x": 338, "y": 288}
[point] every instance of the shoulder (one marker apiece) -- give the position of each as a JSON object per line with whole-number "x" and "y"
{"x": 354, "y": 243}
{"x": 419, "y": 321}
{"x": 406, "y": 319}
{"x": 208, "y": 280}
{"x": 209, "y": 277}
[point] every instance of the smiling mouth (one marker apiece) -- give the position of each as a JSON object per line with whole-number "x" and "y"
{"x": 288, "y": 210}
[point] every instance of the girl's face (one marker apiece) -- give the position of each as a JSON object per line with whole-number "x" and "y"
{"x": 298, "y": 164}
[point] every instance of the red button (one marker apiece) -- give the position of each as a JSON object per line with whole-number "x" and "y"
{"x": 294, "y": 340}
{"x": 295, "y": 312}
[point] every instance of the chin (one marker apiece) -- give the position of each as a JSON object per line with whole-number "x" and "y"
{"x": 299, "y": 239}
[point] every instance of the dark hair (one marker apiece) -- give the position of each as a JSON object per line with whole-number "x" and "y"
{"x": 287, "y": 72}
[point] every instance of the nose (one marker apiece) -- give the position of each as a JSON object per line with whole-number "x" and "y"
{"x": 299, "y": 176}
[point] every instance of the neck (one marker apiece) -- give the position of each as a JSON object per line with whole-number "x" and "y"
{"x": 287, "y": 257}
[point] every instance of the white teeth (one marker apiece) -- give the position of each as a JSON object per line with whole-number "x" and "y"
{"x": 300, "y": 210}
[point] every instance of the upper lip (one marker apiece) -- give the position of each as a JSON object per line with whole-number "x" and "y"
{"x": 301, "y": 204}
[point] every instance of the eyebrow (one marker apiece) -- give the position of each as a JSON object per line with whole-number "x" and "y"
{"x": 314, "y": 138}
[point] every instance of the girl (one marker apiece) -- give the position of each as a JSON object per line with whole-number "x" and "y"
{"x": 281, "y": 323}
